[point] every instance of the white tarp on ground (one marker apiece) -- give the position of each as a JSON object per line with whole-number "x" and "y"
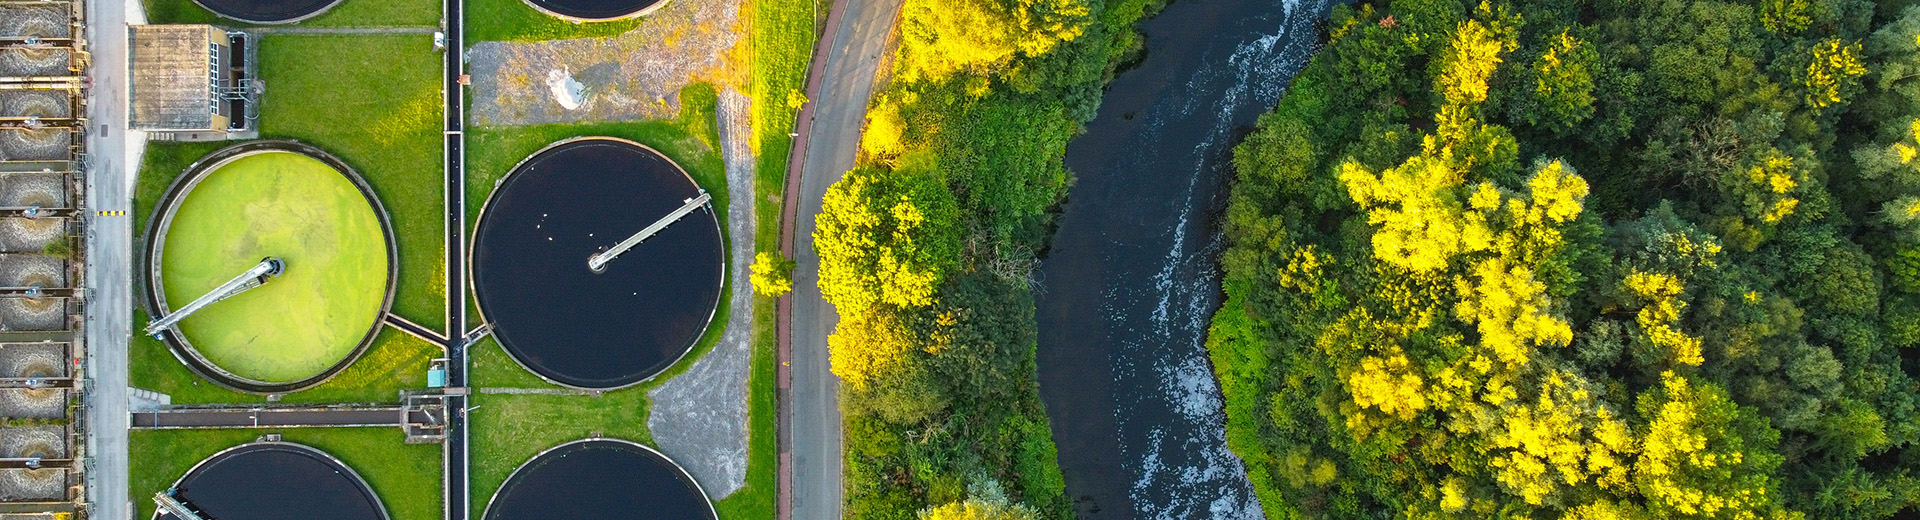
{"x": 568, "y": 92}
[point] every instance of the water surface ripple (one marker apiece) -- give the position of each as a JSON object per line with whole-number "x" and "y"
{"x": 1133, "y": 276}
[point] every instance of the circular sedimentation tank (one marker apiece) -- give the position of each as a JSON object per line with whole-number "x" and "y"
{"x": 268, "y": 11}
{"x": 278, "y": 480}
{"x": 559, "y": 318}
{"x": 596, "y": 10}
{"x": 288, "y": 201}
{"x": 604, "y": 479}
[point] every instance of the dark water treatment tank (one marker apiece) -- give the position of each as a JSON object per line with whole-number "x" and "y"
{"x": 603, "y": 479}
{"x": 274, "y": 481}
{"x": 624, "y": 323}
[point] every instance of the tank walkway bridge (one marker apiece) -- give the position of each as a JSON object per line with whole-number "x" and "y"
{"x": 422, "y": 416}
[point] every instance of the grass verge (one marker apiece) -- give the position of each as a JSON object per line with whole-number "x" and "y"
{"x": 405, "y": 476}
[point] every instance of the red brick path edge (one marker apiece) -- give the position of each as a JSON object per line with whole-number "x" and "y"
{"x": 783, "y": 306}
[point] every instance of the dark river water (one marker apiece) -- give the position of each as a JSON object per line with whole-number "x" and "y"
{"x": 1132, "y": 278}
{"x": 561, "y": 319}
{"x": 276, "y": 481}
{"x": 600, "y": 480}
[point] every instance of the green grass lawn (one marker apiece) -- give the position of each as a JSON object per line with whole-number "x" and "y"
{"x": 406, "y": 476}
{"x": 374, "y": 101}
{"x": 351, "y": 13}
{"x": 394, "y": 362}
{"x": 298, "y": 209}
{"x": 501, "y": 20}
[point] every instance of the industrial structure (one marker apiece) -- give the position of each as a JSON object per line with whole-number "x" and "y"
{"x": 598, "y": 262}
{"x": 253, "y": 277}
{"x": 193, "y": 83}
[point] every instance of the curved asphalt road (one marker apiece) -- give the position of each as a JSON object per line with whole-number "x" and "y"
{"x": 841, "y": 84}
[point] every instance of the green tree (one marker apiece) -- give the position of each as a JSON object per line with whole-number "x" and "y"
{"x": 1562, "y": 83}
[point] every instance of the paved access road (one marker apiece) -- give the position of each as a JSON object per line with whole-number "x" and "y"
{"x": 109, "y": 177}
{"x": 858, "y": 34}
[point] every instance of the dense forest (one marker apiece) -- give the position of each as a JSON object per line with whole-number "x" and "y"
{"x": 1583, "y": 259}
{"x": 928, "y": 247}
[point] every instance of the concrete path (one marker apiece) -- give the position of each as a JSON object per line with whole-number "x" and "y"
{"x": 840, "y": 86}
{"x": 114, "y": 158}
{"x": 700, "y": 417}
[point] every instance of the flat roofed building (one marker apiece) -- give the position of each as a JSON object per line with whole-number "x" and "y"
{"x": 195, "y": 80}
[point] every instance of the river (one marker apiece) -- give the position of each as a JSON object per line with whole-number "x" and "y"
{"x": 1132, "y": 278}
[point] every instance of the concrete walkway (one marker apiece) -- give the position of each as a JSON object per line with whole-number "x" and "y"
{"x": 840, "y": 85}
{"x": 190, "y": 418}
{"x": 114, "y": 158}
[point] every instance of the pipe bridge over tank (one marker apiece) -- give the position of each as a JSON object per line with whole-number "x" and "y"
{"x": 599, "y": 261}
{"x": 256, "y": 276}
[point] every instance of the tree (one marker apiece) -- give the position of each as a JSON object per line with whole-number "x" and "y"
{"x": 1834, "y": 73}
{"x": 772, "y": 274}
{"x": 979, "y": 510}
{"x": 1422, "y": 222}
{"x": 881, "y": 365}
{"x": 942, "y": 37}
{"x": 1703, "y": 456}
{"x": 885, "y": 236}
{"x": 1562, "y": 83}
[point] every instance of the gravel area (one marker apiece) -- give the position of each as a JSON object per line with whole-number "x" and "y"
{"x": 32, "y": 360}
{"x": 700, "y": 417}
{"x": 34, "y": 441}
{"x": 636, "y": 75}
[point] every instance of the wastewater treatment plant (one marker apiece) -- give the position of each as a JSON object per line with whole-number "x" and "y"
{"x": 345, "y": 302}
